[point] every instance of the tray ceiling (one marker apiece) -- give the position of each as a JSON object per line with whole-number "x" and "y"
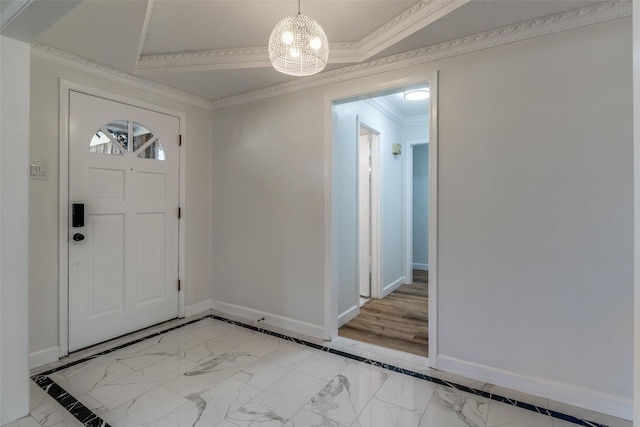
{"x": 217, "y": 48}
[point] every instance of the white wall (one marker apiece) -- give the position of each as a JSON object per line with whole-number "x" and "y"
{"x": 636, "y": 168}
{"x": 535, "y": 211}
{"x": 268, "y": 217}
{"x": 536, "y": 214}
{"x": 44, "y": 217}
{"x": 14, "y": 159}
{"x": 420, "y": 205}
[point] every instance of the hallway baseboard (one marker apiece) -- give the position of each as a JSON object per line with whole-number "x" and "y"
{"x": 271, "y": 319}
{"x": 348, "y": 315}
{"x": 43, "y": 357}
{"x": 576, "y": 396}
{"x": 198, "y": 307}
{"x": 392, "y": 287}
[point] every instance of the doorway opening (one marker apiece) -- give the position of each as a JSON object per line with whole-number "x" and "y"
{"x": 382, "y": 272}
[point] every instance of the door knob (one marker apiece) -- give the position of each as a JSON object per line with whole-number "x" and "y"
{"x": 78, "y": 237}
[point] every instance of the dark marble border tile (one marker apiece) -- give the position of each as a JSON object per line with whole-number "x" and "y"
{"x": 89, "y": 419}
{"x": 68, "y": 402}
{"x": 418, "y": 375}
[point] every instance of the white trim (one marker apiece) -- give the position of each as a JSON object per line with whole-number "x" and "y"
{"x": 14, "y": 8}
{"x": 376, "y": 213}
{"x": 94, "y": 68}
{"x": 271, "y": 319}
{"x": 145, "y": 28}
{"x": 408, "y": 198}
{"x": 387, "y": 109}
{"x": 330, "y": 281}
{"x": 43, "y": 357}
{"x": 63, "y": 189}
{"x": 577, "y": 396}
{"x": 417, "y": 17}
{"x": 373, "y": 216}
{"x": 636, "y": 191}
{"x": 348, "y": 315}
{"x": 590, "y": 15}
{"x": 199, "y": 307}
{"x": 418, "y": 266}
{"x": 361, "y": 88}
{"x": 63, "y": 218}
{"x": 392, "y": 286}
{"x": 396, "y": 115}
{"x": 433, "y": 221}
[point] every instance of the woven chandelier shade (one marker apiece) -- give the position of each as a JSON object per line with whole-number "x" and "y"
{"x": 298, "y": 46}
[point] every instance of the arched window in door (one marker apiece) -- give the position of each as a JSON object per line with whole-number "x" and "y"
{"x": 126, "y": 137}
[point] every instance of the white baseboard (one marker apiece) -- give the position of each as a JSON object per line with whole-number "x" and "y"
{"x": 198, "y": 307}
{"x": 392, "y": 287}
{"x": 418, "y": 266}
{"x": 348, "y": 315}
{"x": 577, "y": 396}
{"x": 278, "y": 321}
{"x": 42, "y": 357}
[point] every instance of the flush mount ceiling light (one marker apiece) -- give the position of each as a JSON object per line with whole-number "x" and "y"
{"x": 298, "y": 46}
{"x": 416, "y": 94}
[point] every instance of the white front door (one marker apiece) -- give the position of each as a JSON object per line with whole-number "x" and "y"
{"x": 123, "y": 261}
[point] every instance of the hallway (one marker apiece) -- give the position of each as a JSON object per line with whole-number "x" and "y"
{"x": 399, "y": 321}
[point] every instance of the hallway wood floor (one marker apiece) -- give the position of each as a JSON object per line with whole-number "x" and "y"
{"x": 399, "y": 321}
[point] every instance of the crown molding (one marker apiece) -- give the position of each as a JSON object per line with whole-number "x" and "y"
{"x": 67, "y": 59}
{"x": 402, "y": 26}
{"x": 11, "y": 10}
{"x": 578, "y": 18}
{"x": 417, "y": 120}
{"x": 601, "y": 12}
{"x": 220, "y": 59}
{"x": 145, "y": 28}
{"x": 396, "y": 115}
{"x": 388, "y": 110}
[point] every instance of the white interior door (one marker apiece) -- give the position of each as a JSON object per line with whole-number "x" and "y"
{"x": 123, "y": 261}
{"x": 364, "y": 208}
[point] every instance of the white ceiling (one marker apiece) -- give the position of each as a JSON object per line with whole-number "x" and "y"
{"x": 217, "y": 48}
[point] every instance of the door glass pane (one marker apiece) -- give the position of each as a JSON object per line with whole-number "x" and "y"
{"x": 119, "y": 129}
{"x": 114, "y": 138}
{"x": 140, "y": 136}
{"x": 100, "y": 143}
{"x": 153, "y": 151}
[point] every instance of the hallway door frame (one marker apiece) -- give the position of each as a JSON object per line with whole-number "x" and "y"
{"x": 361, "y": 88}
{"x": 65, "y": 89}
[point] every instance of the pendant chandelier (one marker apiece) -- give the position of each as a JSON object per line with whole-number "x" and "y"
{"x": 298, "y": 46}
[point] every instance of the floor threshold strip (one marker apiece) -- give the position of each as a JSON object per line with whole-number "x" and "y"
{"x": 90, "y": 419}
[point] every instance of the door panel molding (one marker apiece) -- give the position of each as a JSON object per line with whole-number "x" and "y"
{"x": 65, "y": 89}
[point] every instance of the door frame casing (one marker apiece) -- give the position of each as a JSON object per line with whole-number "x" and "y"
{"x": 361, "y": 88}
{"x": 66, "y": 86}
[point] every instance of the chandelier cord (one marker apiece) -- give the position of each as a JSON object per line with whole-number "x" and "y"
{"x": 298, "y": 7}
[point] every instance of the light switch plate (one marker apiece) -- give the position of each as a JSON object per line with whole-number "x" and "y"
{"x": 39, "y": 171}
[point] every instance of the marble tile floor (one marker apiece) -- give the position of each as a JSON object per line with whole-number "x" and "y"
{"x": 207, "y": 371}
